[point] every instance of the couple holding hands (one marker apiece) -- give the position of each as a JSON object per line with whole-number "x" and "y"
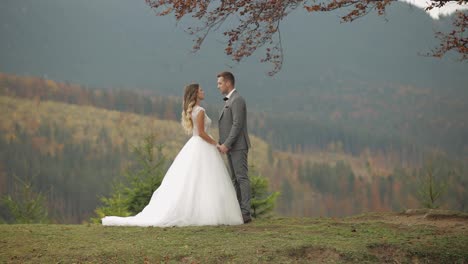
{"x": 197, "y": 188}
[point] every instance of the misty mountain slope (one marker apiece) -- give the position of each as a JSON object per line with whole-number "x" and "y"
{"x": 346, "y": 77}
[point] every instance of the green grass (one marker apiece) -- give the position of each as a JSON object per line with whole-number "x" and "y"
{"x": 368, "y": 238}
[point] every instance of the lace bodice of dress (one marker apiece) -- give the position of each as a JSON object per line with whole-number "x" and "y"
{"x": 195, "y": 112}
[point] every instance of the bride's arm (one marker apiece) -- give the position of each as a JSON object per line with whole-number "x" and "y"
{"x": 201, "y": 128}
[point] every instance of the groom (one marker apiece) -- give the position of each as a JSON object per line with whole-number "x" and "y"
{"x": 234, "y": 140}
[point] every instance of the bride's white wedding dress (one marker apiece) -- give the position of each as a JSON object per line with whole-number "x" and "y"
{"x": 196, "y": 190}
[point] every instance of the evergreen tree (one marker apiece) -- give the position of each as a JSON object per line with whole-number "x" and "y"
{"x": 116, "y": 205}
{"x": 146, "y": 177}
{"x": 134, "y": 192}
{"x": 26, "y": 206}
{"x": 262, "y": 201}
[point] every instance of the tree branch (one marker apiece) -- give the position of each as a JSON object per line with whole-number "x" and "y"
{"x": 256, "y": 23}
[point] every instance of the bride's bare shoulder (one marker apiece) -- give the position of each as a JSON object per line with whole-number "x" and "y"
{"x": 198, "y": 108}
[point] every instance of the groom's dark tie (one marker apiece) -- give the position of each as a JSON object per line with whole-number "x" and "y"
{"x": 226, "y": 98}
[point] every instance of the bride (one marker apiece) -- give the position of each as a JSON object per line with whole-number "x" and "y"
{"x": 197, "y": 189}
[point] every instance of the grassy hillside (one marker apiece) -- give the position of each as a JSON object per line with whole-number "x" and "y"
{"x": 371, "y": 238}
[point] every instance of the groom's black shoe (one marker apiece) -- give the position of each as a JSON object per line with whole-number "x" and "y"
{"x": 246, "y": 218}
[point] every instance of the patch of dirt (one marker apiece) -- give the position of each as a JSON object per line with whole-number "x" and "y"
{"x": 437, "y": 214}
{"x": 314, "y": 254}
{"x": 386, "y": 253}
{"x": 450, "y": 220}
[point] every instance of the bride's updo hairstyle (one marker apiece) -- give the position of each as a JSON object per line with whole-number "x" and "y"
{"x": 190, "y": 99}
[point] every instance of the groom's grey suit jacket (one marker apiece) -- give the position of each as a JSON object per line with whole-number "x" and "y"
{"x": 232, "y": 124}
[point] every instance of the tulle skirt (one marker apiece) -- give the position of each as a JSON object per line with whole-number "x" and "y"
{"x": 196, "y": 190}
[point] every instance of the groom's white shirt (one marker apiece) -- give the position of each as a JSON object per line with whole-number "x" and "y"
{"x": 229, "y": 94}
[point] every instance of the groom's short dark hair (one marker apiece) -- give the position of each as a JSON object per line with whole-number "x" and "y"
{"x": 227, "y": 76}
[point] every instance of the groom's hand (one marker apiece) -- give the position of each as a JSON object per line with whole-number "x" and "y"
{"x": 223, "y": 149}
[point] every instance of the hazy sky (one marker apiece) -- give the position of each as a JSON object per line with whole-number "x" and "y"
{"x": 436, "y": 13}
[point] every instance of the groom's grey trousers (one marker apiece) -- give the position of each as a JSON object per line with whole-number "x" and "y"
{"x": 239, "y": 174}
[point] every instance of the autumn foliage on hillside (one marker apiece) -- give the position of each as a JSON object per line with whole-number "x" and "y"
{"x": 73, "y": 152}
{"x": 125, "y": 100}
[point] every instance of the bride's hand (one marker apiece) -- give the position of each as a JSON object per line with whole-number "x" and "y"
{"x": 223, "y": 149}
